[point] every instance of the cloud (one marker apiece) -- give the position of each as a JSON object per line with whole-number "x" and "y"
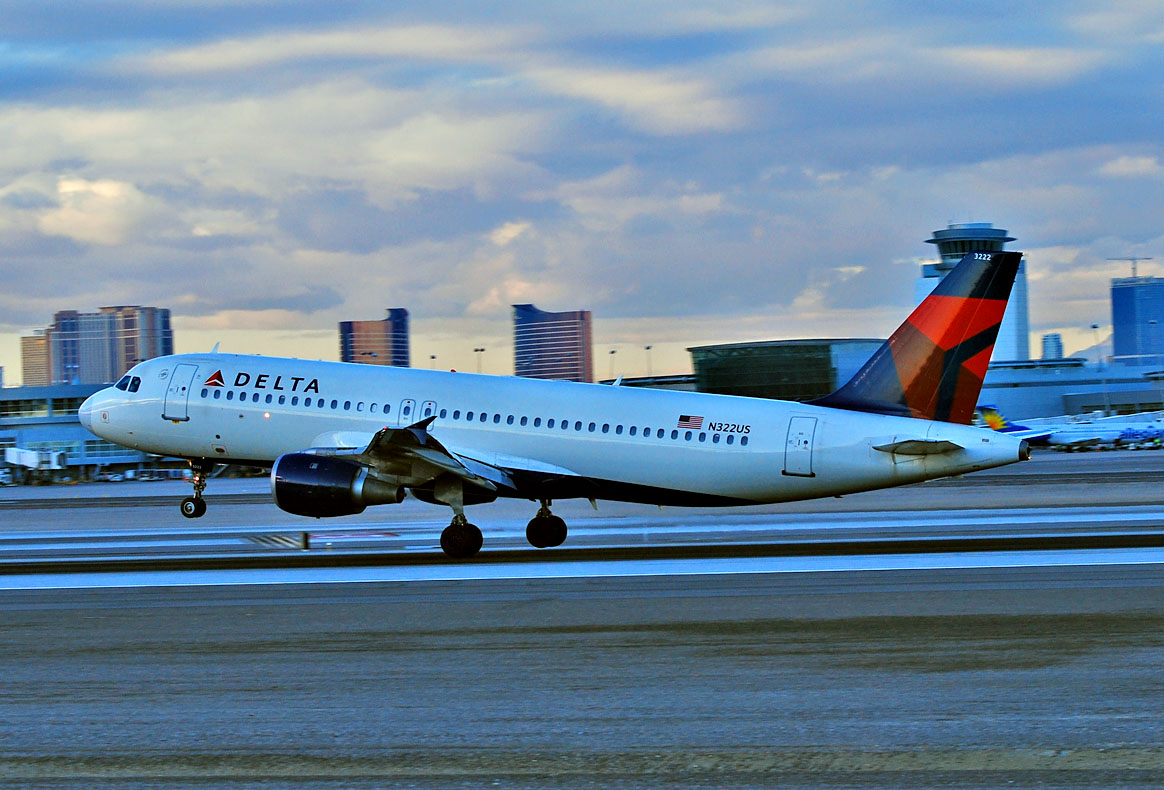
{"x": 1132, "y": 167}
{"x": 656, "y": 102}
{"x": 96, "y": 212}
{"x": 424, "y": 42}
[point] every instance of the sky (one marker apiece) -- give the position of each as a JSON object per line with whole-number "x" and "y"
{"x": 691, "y": 173}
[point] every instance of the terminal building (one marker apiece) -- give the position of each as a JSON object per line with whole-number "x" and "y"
{"x": 44, "y": 420}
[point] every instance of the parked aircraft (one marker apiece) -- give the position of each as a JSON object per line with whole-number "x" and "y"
{"x": 339, "y": 437}
{"x": 1076, "y": 433}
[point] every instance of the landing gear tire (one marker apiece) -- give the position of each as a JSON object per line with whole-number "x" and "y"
{"x": 545, "y": 532}
{"x": 193, "y": 507}
{"x": 461, "y": 540}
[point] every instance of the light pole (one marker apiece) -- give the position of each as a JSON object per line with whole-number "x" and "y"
{"x": 479, "y": 350}
{"x": 1102, "y": 369}
{"x": 432, "y": 361}
{"x": 612, "y": 353}
{"x": 648, "y": 350}
{"x": 1154, "y": 340}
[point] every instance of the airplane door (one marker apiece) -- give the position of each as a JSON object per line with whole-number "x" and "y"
{"x": 798, "y": 450}
{"x": 407, "y": 414}
{"x": 178, "y": 393}
{"x": 427, "y": 409}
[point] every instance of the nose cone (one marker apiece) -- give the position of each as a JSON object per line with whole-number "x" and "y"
{"x": 85, "y": 412}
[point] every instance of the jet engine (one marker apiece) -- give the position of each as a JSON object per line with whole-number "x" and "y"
{"x": 322, "y": 486}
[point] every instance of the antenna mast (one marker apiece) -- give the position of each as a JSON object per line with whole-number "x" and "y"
{"x": 1134, "y": 260}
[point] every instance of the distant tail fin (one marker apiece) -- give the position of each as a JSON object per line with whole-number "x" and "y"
{"x": 994, "y": 419}
{"x": 933, "y": 366}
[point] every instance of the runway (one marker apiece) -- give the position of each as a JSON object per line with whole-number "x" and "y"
{"x": 608, "y": 666}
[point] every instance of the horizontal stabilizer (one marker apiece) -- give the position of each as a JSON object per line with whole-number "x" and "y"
{"x": 919, "y": 447}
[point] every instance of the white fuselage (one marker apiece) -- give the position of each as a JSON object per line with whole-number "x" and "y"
{"x": 634, "y": 444}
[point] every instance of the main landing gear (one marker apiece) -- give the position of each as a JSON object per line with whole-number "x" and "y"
{"x": 461, "y": 540}
{"x": 545, "y": 529}
{"x": 195, "y": 506}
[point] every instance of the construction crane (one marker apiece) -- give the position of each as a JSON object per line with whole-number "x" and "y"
{"x": 1134, "y": 259}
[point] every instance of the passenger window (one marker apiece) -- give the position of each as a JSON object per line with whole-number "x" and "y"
{"x": 578, "y": 425}
{"x": 204, "y": 392}
{"x": 687, "y": 436}
{"x": 307, "y": 401}
{"x": 334, "y": 403}
{"x": 591, "y": 428}
{"x": 230, "y": 394}
{"x": 659, "y": 433}
{"x": 255, "y": 398}
{"x": 387, "y": 407}
{"x": 294, "y": 400}
{"x": 456, "y": 414}
{"x": 618, "y": 430}
{"x": 372, "y": 408}
{"x": 524, "y": 420}
{"x": 270, "y": 398}
{"x": 483, "y": 416}
{"x": 469, "y": 416}
{"x": 508, "y": 420}
{"x": 633, "y": 430}
{"x": 703, "y": 437}
{"x": 360, "y": 406}
{"x": 674, "y": 434}
{"x": 743, "y": 441}
{"x": 550, "y": 423}
{"x": 715, "y": 438}
{"x": 407, "y": 411}
{"x": 497, "y": 419}
{"x": 320, "y": 403}
{"x": 282, "y": 399}
{"x": 606, "y": 427}
{"x": 217, "y": 394}
{"x": 444, "y": 413}
{"x": 538, "y": 422}
{"x": 347, "y": 405}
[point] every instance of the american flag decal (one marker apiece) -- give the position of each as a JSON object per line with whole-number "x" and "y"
{"x": 688, "y": 421}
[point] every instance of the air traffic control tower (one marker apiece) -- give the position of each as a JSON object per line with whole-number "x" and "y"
{"x": 953, "y": 243}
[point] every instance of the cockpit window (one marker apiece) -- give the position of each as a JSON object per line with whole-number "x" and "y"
{"x": 134, "y": 383}
{"x": 123, "y": 384}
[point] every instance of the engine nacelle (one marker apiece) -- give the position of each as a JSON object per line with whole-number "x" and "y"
{"x": 322, "y": 486}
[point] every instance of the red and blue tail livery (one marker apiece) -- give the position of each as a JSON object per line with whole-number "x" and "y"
{"x": 933, "y": 366}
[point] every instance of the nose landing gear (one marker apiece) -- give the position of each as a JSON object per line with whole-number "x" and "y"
{"x": 195, "y": 506}
{"x": 545, "y": 530}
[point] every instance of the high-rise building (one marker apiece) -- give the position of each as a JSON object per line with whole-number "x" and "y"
{"x": 95, "y": 348}
{"x": 1137, "y": 318}
{"x": 552, "y": 345}
{"x": 383, "y": 342}
{"x": 34, "y": 360}
{"x": 953, "y": 243}
{"x": 1053, "y": 346}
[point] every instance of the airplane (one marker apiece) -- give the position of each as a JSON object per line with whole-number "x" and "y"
{"x": 340, "y": 437}
{"x": 1075, "y": 433}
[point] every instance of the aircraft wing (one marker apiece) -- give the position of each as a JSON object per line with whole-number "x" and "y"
{"x": 410, "y": 454}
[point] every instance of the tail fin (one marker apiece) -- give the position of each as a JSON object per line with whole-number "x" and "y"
{"x": 932, "y": 367}
{"x": 993, "y": 419}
